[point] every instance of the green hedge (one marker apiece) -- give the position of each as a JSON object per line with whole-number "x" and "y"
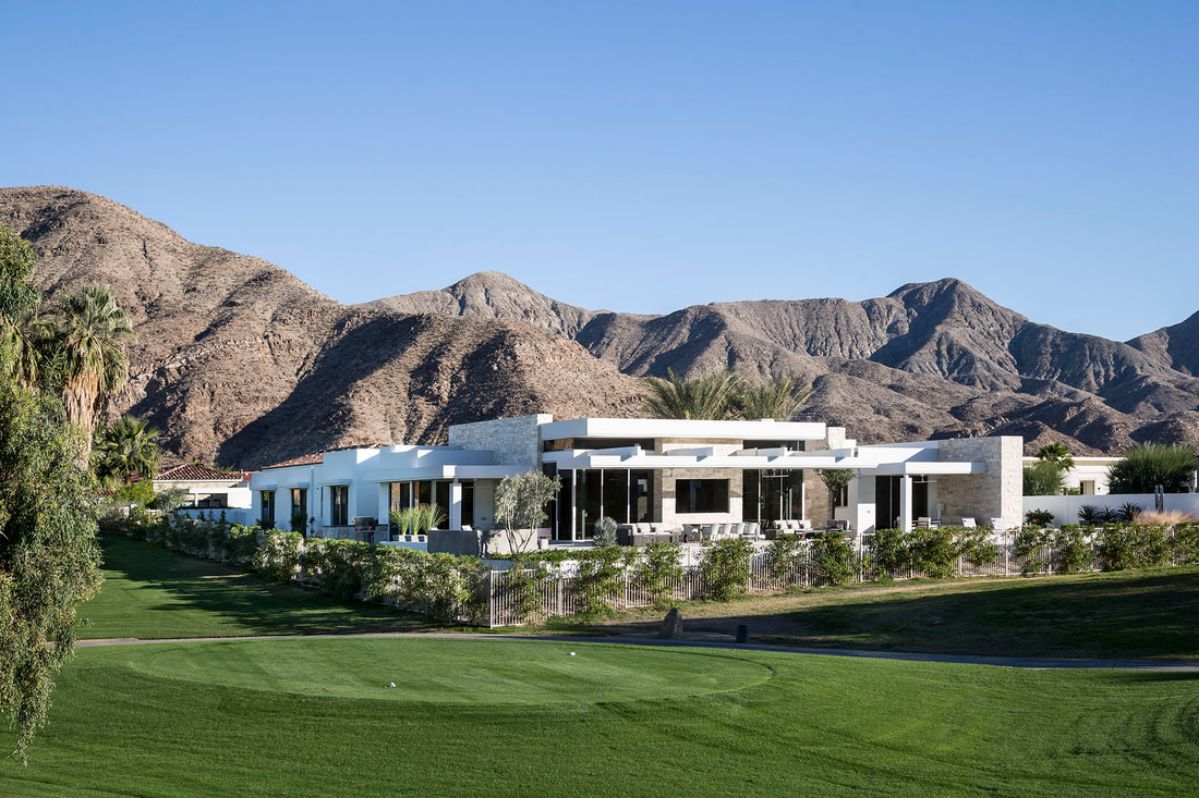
{"x": 445, "y": 587}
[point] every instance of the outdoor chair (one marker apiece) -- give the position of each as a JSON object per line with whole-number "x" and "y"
{"x": 924, "y": 522}
{"x": 969, "y": 523}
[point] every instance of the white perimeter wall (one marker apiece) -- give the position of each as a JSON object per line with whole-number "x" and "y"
{"x": 1065, "y": 508}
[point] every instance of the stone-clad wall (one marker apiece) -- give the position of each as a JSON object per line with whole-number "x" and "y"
{"x": 515, "y": 441}
{"x": 997, "y": 493}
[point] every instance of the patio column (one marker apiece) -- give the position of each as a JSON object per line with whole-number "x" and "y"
{"x": 905, "y": 503}
{"x": 455, "y": 505}
{"x": 384, "y": 508}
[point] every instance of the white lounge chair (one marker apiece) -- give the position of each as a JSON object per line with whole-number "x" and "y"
{"x": 969, "y": 523}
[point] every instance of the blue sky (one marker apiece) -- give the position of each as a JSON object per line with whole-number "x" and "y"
{"x": 641, "y": 156}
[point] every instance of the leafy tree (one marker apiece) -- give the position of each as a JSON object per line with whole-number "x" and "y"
{"x": 778, "y": 399}
{"x": 836, "y": 480}
{"x": 1043, "y": 479}
{"x": 520, "y": 502}
{"x": 19, "y": 301}
{"x": 1148, "y": 465}
{"x": 48, "y": 553}
{"x": 125, "y": 450}
{"x": 1056, "y": 453}
{"x": 87, "y": 347}
{"x": 170, "y": 499}
{"x": 710, "y": 396}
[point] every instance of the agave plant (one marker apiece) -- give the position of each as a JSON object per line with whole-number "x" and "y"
{"x": 605, "y": 532}
{"x": 1129, "y": 512}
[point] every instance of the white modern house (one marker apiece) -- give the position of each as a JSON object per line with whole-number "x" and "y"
{"x": 666, "y": 474}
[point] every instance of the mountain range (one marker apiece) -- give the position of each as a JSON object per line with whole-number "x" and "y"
{"x": 238, "y": 362}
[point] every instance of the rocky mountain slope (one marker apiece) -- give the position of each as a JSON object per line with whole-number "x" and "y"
{"x": 239, "y": 362}
{"x": 934, "y": 358}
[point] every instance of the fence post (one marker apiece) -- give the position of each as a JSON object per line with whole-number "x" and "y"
{"x": 1007, "y": 552}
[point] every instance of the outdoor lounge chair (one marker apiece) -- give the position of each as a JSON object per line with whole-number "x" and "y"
{"x": 969, "y": 523}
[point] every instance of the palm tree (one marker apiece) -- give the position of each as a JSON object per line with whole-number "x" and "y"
{"x": 776, "y": 399}
{"x": 1056, "y": 453}
{"x": 126, "y": 450}
{"x": 21, "y": 347}
{"x": 709, "y": 396}
{"x": 87, "y": 342}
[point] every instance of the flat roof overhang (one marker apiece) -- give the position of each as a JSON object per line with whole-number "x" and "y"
{"x": 832, "y": 458}
{"x": 684, "y": 429}
{"x": 444, "y": 472}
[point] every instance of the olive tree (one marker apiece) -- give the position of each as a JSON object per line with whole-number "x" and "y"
{"x": 520, "y": 505}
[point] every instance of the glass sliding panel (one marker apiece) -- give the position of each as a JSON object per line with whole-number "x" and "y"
{"x": 588, "y": 485}
{"x": 750, "y": 496}
{"x": 641, "y": 496}
{"x": 564, "y": 507}
{"x": 616, "y": 494}
{"x": 424, "y": 493}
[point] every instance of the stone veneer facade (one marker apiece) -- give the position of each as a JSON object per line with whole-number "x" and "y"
{"x": 515, "y": 441}
{"x": 997, "y": 493}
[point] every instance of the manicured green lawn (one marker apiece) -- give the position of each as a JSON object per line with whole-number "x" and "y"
{"x": 150, "y": 592}
{"x": 1120, "y": 615}
{"x": 504, "y": 717}
{"x": 1123, "y": 615}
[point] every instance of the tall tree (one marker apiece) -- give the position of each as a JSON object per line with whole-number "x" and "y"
{"x": 125, "y": 450}
{"x": 48, "y": 553}
{"x": 779, "y": 399}
{"x": 87, "y": 343}
{"x": 709, "y": 396}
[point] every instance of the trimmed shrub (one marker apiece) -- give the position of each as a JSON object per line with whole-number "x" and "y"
{"x": 1124, "y": 547}
{"x": 891, "y": 551}
{"x": 785, "y": 554}
{"x": 833, "y": 558}
{"x": 933, "y": 552}
{"x": 600, "y": 575}
{"x": 658, "y": 570}
{"x": 725, "y": 567}
{"x": 1030, "y": 545}
{"x": 976, "y": 545}
{"x": 1072, "y": 551}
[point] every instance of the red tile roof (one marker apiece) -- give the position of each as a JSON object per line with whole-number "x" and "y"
{"x": 190, "y": 472}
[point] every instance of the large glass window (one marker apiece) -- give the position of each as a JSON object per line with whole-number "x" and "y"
{"x": 266, "y": 518}
{"x": 641, "y": 497}
{"x": 400, "y": 495}
{"x": 616, "y": 494}
{"x": 563, "y": 505}
{"x": 587, "y": 501}
{"x": 339, "y": 505}
{"x": 701, "y": 496}
{"x": 299, "y": 508}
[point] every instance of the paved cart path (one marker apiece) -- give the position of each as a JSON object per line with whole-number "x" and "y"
{"x": 1183, "y": 666}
